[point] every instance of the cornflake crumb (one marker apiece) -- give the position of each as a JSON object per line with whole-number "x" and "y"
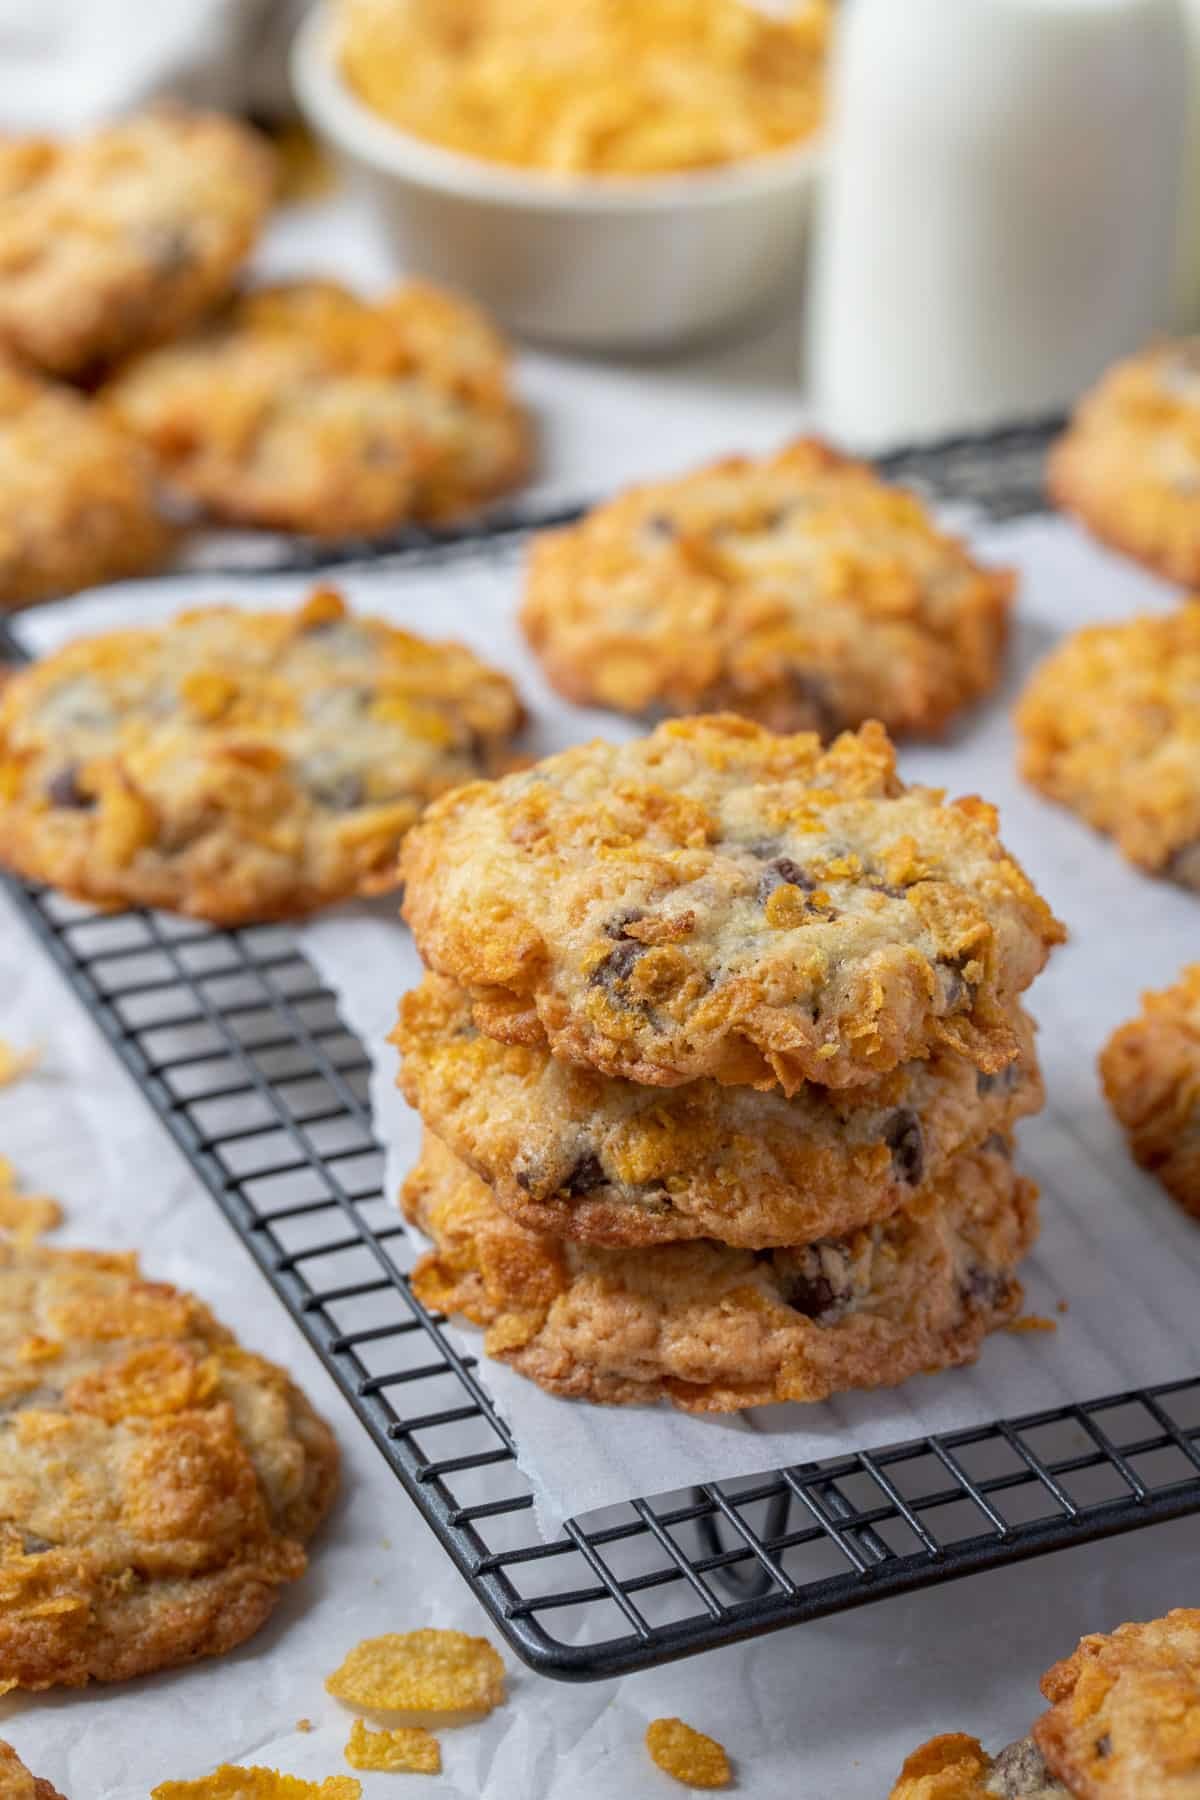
{"x": 232, "y": 1783}
{"x": 679, "y": 1750}
{"x": 304, "y": 1724}
{"x": 16, "y": 1063}
{"x": 1064, "y": 1306}
{"x": 404, "y": 1749}
{"x": 24, "y": 1216}
{"x": 1032, "y": 1322}
{"x": 421, "y": 1672}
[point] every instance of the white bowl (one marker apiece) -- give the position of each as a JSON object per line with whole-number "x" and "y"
{"x": 600, "y": 262}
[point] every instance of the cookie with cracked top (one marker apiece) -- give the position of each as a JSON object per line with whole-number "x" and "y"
{"x": 1150, "y": 1068}
{"x": 1128, "y": 466}
{"x": 77, "y": 499}
{"x": 715, "y": 1329}
{"x": 124, "y": 237}
{"x": 239, "y": 766}
{"x": 1109, "y": 725}
{"x": 577, "y": 1154}
{"x": 304, "y": 408}
{"x": 797, "y": 589}
{"x": 714, "y": 900}
{"x": 157, "y": 1482}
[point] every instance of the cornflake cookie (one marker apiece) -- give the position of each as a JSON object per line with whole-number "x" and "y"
{"x": 688, "y": 1755}
{"x": 1129, "y": 464}
{"x": 1124, "y": 1724}
{"x": 578, "y": 1154}
{"x": 714, "y": 1329}
{"x": 157, "y": 1482}
{"x": 1110, "y": 726}
{"x": 304, "y": 408}
{"x": 1150, "y": 1068}
{"x": 76, "y": 493}
{"x": 125, "y": 237}
{"x": 714, "y": 900}
{"x": 16, "y": 1783}
{"x": 798, "y": 590}
{"x": 1125, "y": 1712}
{"x": 238, "y": 766}
{"x": 600, "y": 87}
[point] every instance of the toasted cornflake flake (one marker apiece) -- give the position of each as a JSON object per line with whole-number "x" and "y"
{"x": 679, "y": 1750}
{"x": 24, "y": 1216}
{"x": 421, "y": 1672}
{"x": 231, "y": 1783}
{"x": 16, "y": 1063}
{"x": 405, "y": 1749}
{"x": 1032, "y": 1322}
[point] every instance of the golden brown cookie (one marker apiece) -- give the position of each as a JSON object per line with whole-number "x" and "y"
{"x": 238, "y": 766}
{"x": 956, "y": 1767}
{"x": 1129, "y": 464}
{"x": 1110, "y": 726}
{"x": 125, "y": 237}
{"x": 714, "y": 900}
{"x": 577, "y": 1154}
{"x": 77, "y": 500}
{"x": 1125, "y": 1713}
{"x": 799, "y": 590}
{"x": 16, "y": 1783}
{"x": 157, "y": 1482}
{"x": 1151, "y": 1073}
{"x": 304, "y": 408}
{"x": 714, "y": 1329}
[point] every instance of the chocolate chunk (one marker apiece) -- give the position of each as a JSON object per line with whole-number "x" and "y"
{"x": 1104, "y": 1745}
{"x": 617, "y": 965}
{"x": 341, "y": 793}
{"x": 906, "y": 1141}
{"x": 615, "y": 928}
{"x": 1002, "y": 1082}
{"x": 783, "y": 872}
{"x": 987, "y": 1286}
{"x": 33, "y": 1545}
{"x": 957, "y": 991}
{"x": 814, "y": 1281}
{"x": 63, "y": 790}
{"x": 811, "y": 1295}
{"x": 585, "y": 1177}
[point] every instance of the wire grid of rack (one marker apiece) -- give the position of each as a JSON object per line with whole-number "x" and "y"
{"x": 239, "y": 1049}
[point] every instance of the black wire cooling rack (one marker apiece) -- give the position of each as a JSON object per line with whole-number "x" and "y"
{"x": 240, "y": 1051}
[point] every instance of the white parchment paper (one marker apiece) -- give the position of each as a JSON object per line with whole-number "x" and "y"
{"x": 822, "y": 1713}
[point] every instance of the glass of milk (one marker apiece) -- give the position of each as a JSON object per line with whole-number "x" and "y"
{"x": 999, "y": 221}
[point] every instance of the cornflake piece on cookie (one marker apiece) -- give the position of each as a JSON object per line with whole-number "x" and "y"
{"x": 1129, "y": 464}
{"x": 304, "y": 408}
{"x": 1109, "y": 726}
{"x": 1125, "y": 1713}
{"x": 126, "y": 237}
{"x": 1150, "y": 1068}
{"x": 404, "y": 1749}
{"x": 688, "y": 1755}
{"x": 239, "y": 766}
{"x": 158, "y": 1483}
{"x": 25, "y": 1216}
{"x": 16, "y": 1783}
{"x": 716, "y": 900}
{"x": 583, "y": 1155}
{"x": 77, "y": 501}
{"x": 798, "y": 589}
{"x": 425, "y": 1671}
{"x": 713, "y": 1329}
{"x": 256, "y": 1783}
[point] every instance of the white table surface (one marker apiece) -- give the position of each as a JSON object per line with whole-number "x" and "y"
{"x": 824, "y": 1712}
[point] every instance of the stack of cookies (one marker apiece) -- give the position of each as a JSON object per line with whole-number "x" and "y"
{"x": 719, "y": 1057}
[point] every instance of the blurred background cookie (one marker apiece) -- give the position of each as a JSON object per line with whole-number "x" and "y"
{"x": 304, "y": 408}
{"x": 1150, "y": 1068}
{"x": 125, "y": 237}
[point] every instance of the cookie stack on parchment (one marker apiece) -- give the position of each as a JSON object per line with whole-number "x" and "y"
{"x": 719, "y": 1060}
